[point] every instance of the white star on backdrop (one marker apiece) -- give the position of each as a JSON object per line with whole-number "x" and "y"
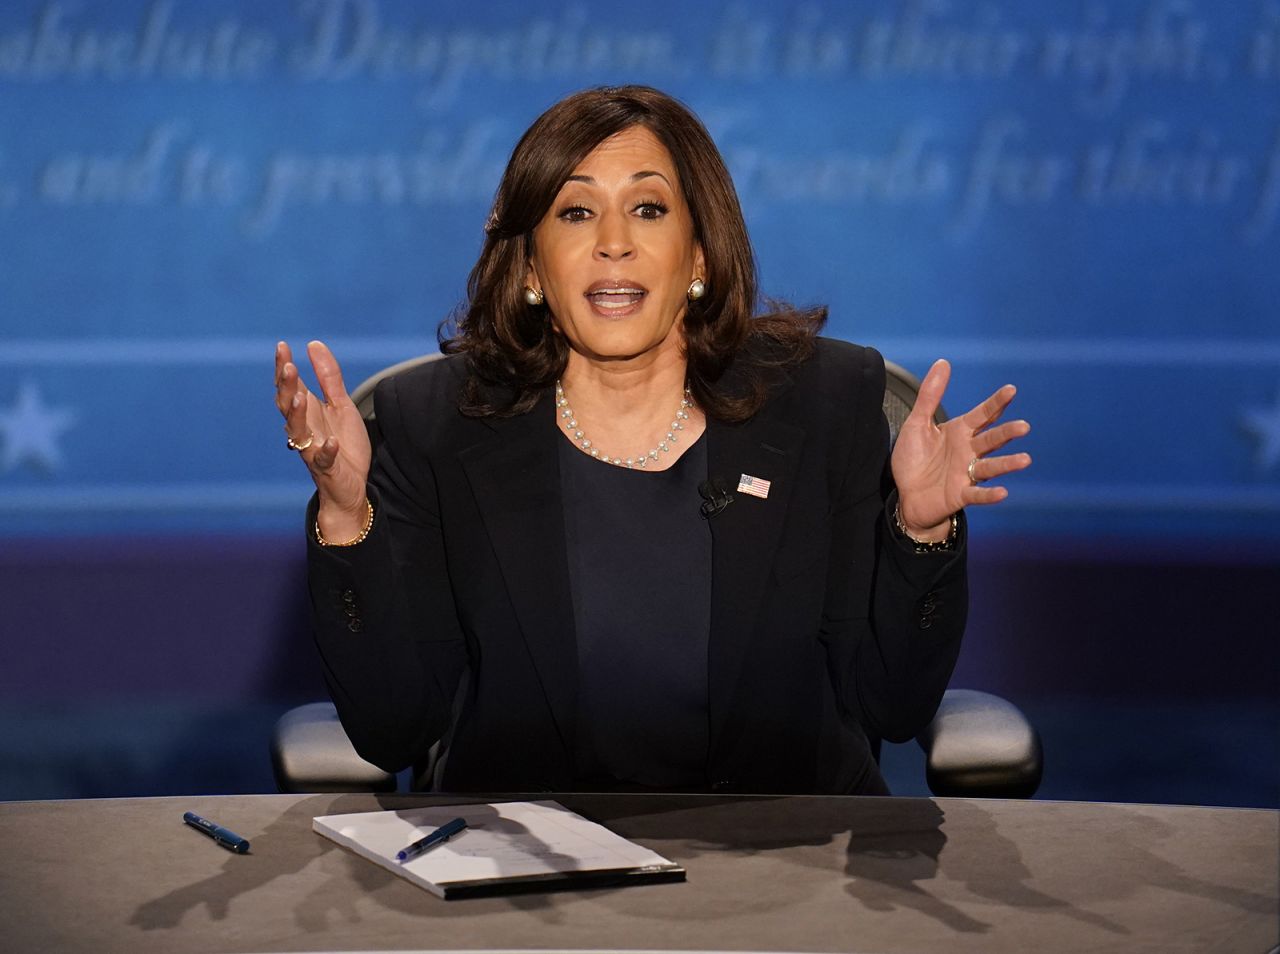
{"x": 31, "y": 429}
{"x": 1264, "y": 424}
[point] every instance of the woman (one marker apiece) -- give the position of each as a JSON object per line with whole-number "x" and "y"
{"x": 629, "y": 535}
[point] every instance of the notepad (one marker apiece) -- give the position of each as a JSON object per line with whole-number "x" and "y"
{"x": 507, "y": 847}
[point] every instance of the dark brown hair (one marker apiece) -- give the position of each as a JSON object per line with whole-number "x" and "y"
{"x": 514, "y": 346}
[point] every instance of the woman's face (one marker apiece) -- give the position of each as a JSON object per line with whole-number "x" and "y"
{"x": 615, "y": 253}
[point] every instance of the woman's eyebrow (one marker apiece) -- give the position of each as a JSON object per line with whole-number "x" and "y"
{"x": 635, "y": 177}
{"x": 645, "y": 173}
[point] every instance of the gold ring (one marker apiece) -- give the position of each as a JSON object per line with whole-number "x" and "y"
{"x": 304, "y": 445}
{"x": 972, "y": 477}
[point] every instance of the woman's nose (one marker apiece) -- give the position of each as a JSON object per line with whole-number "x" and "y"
{"x": 613, "y": 239}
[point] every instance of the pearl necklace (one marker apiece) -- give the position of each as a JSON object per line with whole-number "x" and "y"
{"x": 570, "y": 421}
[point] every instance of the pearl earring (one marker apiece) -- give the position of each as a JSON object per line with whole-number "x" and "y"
{"x": 533, "y": 297}
{"x": 697, "y": 289}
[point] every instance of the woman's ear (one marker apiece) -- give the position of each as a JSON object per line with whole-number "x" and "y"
{"x": 699, "y": 263}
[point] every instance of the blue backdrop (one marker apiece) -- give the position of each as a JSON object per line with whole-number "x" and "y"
{"x": 1083, "y": 198}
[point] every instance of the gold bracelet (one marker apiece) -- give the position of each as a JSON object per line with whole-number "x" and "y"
{"x": 927, "y": 546}
{"x": 368, "y": 525}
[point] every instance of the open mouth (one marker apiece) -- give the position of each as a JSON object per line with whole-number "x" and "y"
{"x": 615, "y": 297}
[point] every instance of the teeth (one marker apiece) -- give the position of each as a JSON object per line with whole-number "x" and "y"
{"x": 615, "y": 297}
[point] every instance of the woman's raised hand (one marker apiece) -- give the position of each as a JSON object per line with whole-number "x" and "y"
{"x": 329, "y": 436}
{"x": 940, "y": 470}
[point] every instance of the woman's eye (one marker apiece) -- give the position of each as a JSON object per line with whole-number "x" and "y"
{"x": 575, "y": 213}
{"x": 651, "y": 210}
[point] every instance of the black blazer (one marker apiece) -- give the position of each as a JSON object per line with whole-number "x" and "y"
{"x": 453, "y": 618}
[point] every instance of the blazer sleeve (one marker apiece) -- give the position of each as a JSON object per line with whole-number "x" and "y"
{"x": 892, "y": 618}
{"x": 383, "y": 611}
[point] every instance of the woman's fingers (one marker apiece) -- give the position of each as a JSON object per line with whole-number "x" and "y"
{"x": 989, "y": 411}
{"x": 947, "y": 474}
{"x": 296, "y": 423}
{"x": 326, "y": 455}
{"x": 305, "y": 427}
{"x": 980, "y": 496}
{"x": 310, "y": 424}
{"x": 286, "y": 382}
{"x": 989, "y": 468}
{"x": 931, "y": 390}
{"x": 994, "y": 438}
{"x": 328, "y": 373}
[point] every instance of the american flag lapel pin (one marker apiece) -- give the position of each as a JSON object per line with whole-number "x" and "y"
{"x": 755, "y": 486}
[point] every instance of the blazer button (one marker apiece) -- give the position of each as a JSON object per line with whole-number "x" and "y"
{"x": 355, "y": 625}
{"x": 925, "y": 622}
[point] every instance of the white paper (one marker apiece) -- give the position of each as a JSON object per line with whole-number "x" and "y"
{"x": 507, "y": 840}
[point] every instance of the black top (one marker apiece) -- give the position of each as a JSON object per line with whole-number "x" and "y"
{"x": 640, "y": 575}
{"x": 825, "y": 629}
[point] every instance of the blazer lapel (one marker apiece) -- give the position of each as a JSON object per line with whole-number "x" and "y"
{"x": 515, "y": 476}
{"x": 744, "y": 539}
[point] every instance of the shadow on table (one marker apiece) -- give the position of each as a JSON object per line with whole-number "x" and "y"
{"x": 894, "y": 850}
{"x": 897, "y": 848}
{"x": 278, "y": 852}
{"x": 891, "y": 866}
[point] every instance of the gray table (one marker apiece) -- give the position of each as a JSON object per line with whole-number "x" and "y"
{"x": 765, "y": 874}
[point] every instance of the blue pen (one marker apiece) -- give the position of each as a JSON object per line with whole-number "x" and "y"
{"x": 437, "y": 837}
{"x": 223, "y": 836}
